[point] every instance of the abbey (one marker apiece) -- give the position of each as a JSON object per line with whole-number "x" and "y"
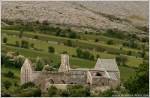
{"x": 104, "y": 74}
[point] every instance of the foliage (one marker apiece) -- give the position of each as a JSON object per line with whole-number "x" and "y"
{"x": 52, "y": 91}
{"x": 26, "y": 85}
{"x": 24, "y": 44}
{"x": 121, "y": 60}
{"x": 7, "y": 84}
{"x": 72, "y": 35}
{"x": 17, "y": 44}
{"x": 18, "y": 61}
{"x": 9, "y": 74}
{"x": 69, "y": 43}
{"x": 5, "y": 40}
{"x": 21, "y": 33}
{"x": 39, "y": 64}
{"x": 138, "y": 84}
{"x": 96, "y": 40}
{"x": 108, "y": 93}
{"x": 51, "y": 49}
{"x": 110, "y": 42}
{"x": 84, "y": 54}
{"x": 30, "y": 92}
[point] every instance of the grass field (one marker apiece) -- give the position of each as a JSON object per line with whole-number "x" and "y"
{"x": 125, "y": 72}
{"x": 86, "y": 44}
{"x": 43, "y": 45}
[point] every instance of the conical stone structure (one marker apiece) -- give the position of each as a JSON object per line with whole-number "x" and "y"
{"x": 26, "y": 72}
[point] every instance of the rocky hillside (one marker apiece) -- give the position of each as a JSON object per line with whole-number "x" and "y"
{"x": 124, "y": 15}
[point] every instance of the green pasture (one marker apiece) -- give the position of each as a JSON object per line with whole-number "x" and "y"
{"x": 43, "y": 45}
{"x": 112, "y": 49}
{"x": 125, "y": 72}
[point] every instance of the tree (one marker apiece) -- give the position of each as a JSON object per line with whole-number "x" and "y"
{"x": 79, "y": 52}
{"x": 139, "y": 83}
{"x": 51, "y": 49}
{"x": 110, "y": 42}
{"x": 39, "y": 64}
{"x": 32, "y": 45}
{"x": 5, "y": 40}
{"x": 72, "y": 35}
{"x": 97, "y": 56}
{"x": 96, "y": 40}
{"x": 17, "y": 44}
{"x": 24, "y": 44}
{"x": 21, "y": 33}
{"x": 121, "y": 60}
{"x": 69, "y": 43}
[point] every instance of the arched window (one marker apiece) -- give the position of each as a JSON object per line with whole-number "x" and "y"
{"x": 51, "y": 81}
{"x": 98, "y": 74}
{"x": 62, "y": 81}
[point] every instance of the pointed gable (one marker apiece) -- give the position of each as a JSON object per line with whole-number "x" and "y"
{"x": 107, "y": 64}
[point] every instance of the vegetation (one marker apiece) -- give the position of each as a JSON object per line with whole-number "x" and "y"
{"x": 138, "y": 84}
{"x": 84, "y": 48}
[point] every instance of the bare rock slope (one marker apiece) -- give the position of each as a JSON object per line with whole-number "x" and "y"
{"x": 124, "y": 15}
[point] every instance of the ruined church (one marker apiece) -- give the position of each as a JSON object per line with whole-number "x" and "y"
{"x": 104, "y": 74}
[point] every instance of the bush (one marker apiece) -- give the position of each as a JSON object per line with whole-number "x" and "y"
{"x": 24, "y": 44}
{"x": 77, "y": 91}
{"x": 26, "y": 85}
{"x": 30, "y": 92}
{"x": 9, "y": 74}
{"x": 7, "y": 84}
{"x": 72, "y": 35}
{"x": 52, "y": 91}
{"x": 18, "y": 61}
{"x": 5, "y": 40}
{"x": 51, "y": 49}
{"x": 96, "y": 40}
{"x": 17, "y": 44}
{"x": 110, "y": 42}
{"x": 108, "y": 93}
{"x": 39, "y": 64}
{"x": 121, "y": 60}
{"x": 84, "y": 54}
{"x": 69, "y": 43}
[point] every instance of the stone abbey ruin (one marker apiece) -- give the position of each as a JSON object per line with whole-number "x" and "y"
{"x": 104, "y": 74}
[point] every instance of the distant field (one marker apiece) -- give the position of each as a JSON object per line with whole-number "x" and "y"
{"x": 59, "y": 48}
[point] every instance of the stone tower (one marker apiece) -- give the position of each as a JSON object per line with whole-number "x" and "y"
{"x": 26, "y": 72}
{"x": 64, "y": 66}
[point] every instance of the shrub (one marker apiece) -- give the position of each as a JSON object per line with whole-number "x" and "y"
{"x": 72, "y": 35}
{"x": 32, "y": 45}
{"x": 24, "y": 44}
{"x": 69, "y": 43}
{"x": 18, "y": 61}
{"x": 5, "y": 40}
{"x": 9, "y": 74}
{"x": 17, "y": 44}
{"x": 39, "y": 64}
{"x": 96, "y": 40}
{"x": 52, "y": 91}
{"x": 7, "y": 84}
{"x": 51, "y": 49}
{"x": 110, "y": 42}
{"x": 26, "y": 85}
{"x": 30, "y": 92}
